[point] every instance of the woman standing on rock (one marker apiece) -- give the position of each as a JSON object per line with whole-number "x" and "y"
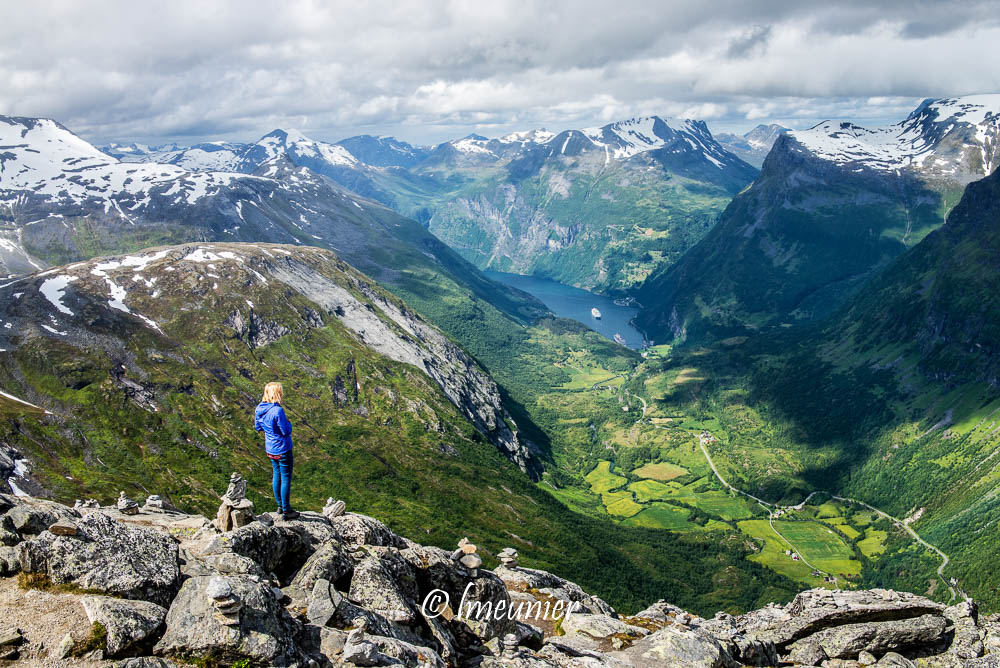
{"x": 270, "y": 419}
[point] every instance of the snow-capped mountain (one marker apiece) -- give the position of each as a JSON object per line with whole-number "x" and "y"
{"x": 554, "y": 203}
{"x": 42, "y": 161}
{"x": 444, "y": 187}
{"x": 954, "y": 139}
{"x": 384, "y": 151}
{"x": 752, "y": 146}
{"x": 65, "y": 200}
{"x": 209, "y": 156}
{"x": 298, "y": 149}
{"x": 617, "y": 141}
{"x": 832, "y": 205}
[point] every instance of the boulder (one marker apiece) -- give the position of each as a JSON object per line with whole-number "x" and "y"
{"x": 31, "y": 518}
{"x": 401, "y": 652}
{"x": 324, "y": 601}
{"x": 596, "y": 631}
{"x": 355, "y": 529}
{"x": 523, "y": 579}
{"x": 330, "y": 562}
{"x": 848, "y": 640}
{"x": 281, "y": 549}
{"x": 385, "y": 584}
{"x": 676, "y": 646}
{"x": 131, "y": 625}
{"x": 661, "y": 612}
{"x": 966, "y": 643}
{"x": 8, "y": 532}
{"x": 893, "y": 660}
{"x": 10, "y": 560}
{"x": 108, "y": 556}
{"x": 263, "y": 632}
{"x": 435, "y": 570}
{"x": 818, "y": 609}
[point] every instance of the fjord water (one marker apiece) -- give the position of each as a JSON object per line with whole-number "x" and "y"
{"x": 569, "y": 302}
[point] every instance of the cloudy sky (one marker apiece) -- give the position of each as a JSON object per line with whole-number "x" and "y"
{"x": 435, "y": 70}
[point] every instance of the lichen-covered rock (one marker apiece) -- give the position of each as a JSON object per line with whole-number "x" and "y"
{"x": 195, "y": 628}
{"x": 111, "y": 557}
{"x": 386, "y": 585}
{"x": 406, "y": 654}
{"x": 661, "y": 612}
{"x": 281, "y": 549}
{"x": 324, "y": 601}
{"x": 10, "y": 561}
{"x": 131, "y": 625}
{"x": 596, "y": 632}
{"x": 329, "y": 562}
{"x": 31, "y": 517}
{"x": 966, "y": 643}
{"x": 817, "y": 609}
{"x": 676, "y": 646}
{"x": 522, "y": 579}
{"x": 848, "y": 640}
{"x": 356, "y": 529}
{"x": 436, "y": 570}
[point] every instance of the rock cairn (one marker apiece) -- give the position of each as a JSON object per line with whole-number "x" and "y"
{"x": 154, "y": 503}
{"x": 508, "y": 646}
{"x": 236, "y": 509}
{"x": 466, "y": 555}
{"x": 358, "y": 650}
{"x": 508, "y": 557}
{"x": 126, "y": 505}
{"x": 89, "y": 504}
{"x": 226, "y": 603}
{"x": 334, "y": 508}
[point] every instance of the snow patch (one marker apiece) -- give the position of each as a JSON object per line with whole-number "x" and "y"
{"x": 52, "y": 289}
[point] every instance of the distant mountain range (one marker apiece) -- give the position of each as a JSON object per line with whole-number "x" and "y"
{"x": 754, "y": 145}
{"x": 832, "y": 206}
{"x": 599, "y": 207}
{"x": 62, "y": 200}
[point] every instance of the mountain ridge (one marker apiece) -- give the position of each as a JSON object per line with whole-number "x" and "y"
{"x": 829, "y": 209}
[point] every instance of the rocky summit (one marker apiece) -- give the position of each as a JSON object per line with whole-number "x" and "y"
{"x": 163, "y": 588}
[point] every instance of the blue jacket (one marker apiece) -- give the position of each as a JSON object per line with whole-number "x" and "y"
{"x": 270, "y": 419}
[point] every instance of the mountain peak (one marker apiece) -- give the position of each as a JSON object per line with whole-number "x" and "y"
{"x": 946, "y": 136}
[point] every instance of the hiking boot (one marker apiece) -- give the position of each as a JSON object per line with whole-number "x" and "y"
{"x": 289, "y": 515}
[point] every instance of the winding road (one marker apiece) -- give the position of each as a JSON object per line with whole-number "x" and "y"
{"x": 772, "y": 508}
{"x": 769, "y": 506}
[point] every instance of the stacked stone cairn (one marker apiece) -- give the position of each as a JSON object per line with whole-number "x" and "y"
{"x": 154, "y": 503}
{"x": 333, "y": 508}
{"x": 236, "y": 509}
{"x": 226, "y": 603}
{"x": 126, "y": 505}
{"x": 466, "y": 555}
{"x": 508, "y": 557}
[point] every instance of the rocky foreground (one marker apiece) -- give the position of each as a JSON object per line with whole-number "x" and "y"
{"x": 161, "y": 588}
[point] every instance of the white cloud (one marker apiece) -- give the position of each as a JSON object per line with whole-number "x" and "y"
{"x": 428, "y": 71}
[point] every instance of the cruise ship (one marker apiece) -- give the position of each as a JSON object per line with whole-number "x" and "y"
{"x": 594, "y": 312}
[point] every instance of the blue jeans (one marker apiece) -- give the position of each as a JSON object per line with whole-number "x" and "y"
{"x": 281, "y": 481}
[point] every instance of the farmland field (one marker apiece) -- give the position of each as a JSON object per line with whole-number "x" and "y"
{"x": 663, "y": 471}
{"x": 873, "y": 544}
{"x": 820, "y": 546}
{"x": 601, "y": 479}
{"x": 663, "y": 516}
{"x": 773, "y": 553}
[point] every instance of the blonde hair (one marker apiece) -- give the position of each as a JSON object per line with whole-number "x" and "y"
{"x": 273, "y": 393}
